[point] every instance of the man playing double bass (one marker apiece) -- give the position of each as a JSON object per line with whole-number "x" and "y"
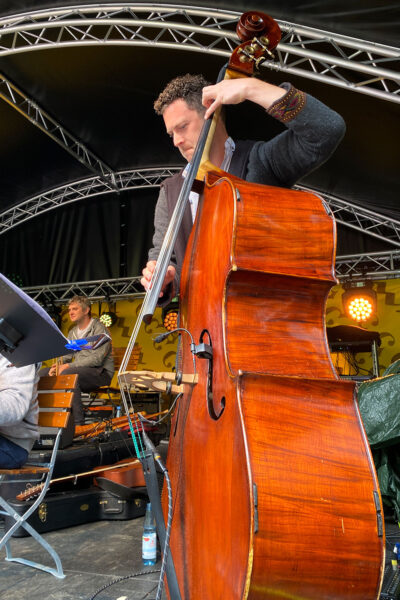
{"x": 280, "y": 438}
{"x": 312, "y": 133}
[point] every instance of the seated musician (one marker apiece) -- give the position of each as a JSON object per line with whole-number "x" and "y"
{"x": 312, "y": 133}
{"x": 19, "y": 413}
{"x": 94, "y": 368}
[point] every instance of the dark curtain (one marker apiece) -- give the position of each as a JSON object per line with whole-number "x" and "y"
{"x": 140, "y": 216}
{"x": 80, "y": 242}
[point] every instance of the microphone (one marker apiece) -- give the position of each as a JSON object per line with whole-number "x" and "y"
{"x": 161, "y": 337}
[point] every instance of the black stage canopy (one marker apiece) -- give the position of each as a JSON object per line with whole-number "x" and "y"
{"x": 82, "y": 152}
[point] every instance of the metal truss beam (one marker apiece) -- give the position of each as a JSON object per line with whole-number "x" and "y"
{"x": 341, "y": 61}
{"x": 361, "y": 219}
{"x": 81, "y": 190}
{"x": 111, "y": 289}
{"x": 349, "y": 215}
{"x": 332, "y": 59}
{"x": 29, "y": 109}
{"x": 354, "y": 64}
{"x": 375, "y": 265}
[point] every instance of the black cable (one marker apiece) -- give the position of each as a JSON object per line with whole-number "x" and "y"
{"x": 169, "y": 519}
{"x": 351, "y": 359}
{"x": 150, "y": 447}
{"x": 108, "y": 585}
{"x": 143, "y": 419}
{"x": 125, "y": 440}
{"x": 152, "y": 422}
{"x": 162, "y": 337}
{"x": 168, "y": 528}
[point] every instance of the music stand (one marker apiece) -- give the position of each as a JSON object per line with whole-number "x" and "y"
{"x": 27, "y": 333}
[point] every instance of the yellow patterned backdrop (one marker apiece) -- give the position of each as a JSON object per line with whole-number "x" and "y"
{"x": 161, "y": 356}
{"x": 386, "y": 322}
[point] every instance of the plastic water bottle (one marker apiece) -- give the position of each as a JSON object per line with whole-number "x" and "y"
{"x": 149, "y": 539}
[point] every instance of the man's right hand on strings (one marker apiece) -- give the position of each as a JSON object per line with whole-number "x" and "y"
{"x": 148, "y": 274}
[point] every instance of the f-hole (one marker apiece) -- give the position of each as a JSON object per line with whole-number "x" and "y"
{"x": 210, "y": 403}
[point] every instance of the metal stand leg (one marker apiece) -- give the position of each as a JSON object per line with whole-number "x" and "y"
{"x": 375, "y": 361}
{"x": 150, "y": 476}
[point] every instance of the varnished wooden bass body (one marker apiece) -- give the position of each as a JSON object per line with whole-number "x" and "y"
{"x": 274, "y": 490}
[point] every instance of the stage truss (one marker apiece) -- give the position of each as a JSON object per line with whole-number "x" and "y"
{"x": 333, "y": 59}
{"x": 358, "y": 218}
{"x": 83, "y": 189}
{"x": 373, "y": 266}
{"x": 312, "y": 53}
{"x": 109, "y": 290}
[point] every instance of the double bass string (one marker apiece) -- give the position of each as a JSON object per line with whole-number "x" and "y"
{"x": 149, "y": 305}
{"x": 152, "y": 295}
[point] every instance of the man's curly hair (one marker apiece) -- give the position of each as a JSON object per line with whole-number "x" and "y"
{"x": 187, "y": 87}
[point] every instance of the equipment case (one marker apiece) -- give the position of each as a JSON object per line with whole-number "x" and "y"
{"x": 76, "y": 507}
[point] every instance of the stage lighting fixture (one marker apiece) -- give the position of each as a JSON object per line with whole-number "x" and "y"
{"x": 108, "y": 318}
{"x": 359, "y": 301}
{"x": 171, "y": 320}
{"x": 170, "y": 315}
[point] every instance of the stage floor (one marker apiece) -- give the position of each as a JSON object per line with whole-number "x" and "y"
{"x": 93, "y": 556}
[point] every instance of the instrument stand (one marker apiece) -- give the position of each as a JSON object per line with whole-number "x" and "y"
{"x": 153, "y": 490}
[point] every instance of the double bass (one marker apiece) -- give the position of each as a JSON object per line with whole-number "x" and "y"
{"x": 274, "y": 489}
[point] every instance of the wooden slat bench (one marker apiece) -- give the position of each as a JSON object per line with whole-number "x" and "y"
{"x": 55, "y": 399}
